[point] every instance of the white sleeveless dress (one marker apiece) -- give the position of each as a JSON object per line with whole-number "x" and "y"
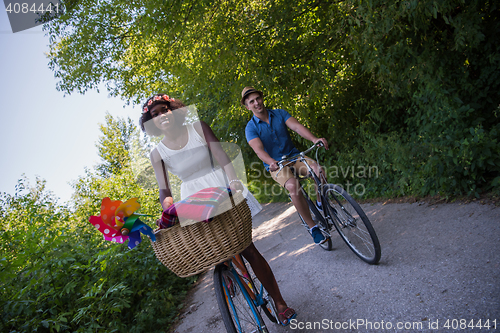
{"x": 193, "y": 165}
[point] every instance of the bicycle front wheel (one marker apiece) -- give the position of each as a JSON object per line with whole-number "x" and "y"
{"x": 236, "y": 307}
{"x": 352, "y": 224}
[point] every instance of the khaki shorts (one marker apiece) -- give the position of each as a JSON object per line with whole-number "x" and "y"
{"x": 285, "y": 174}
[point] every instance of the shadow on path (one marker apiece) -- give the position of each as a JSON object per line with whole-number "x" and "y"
{"x": 439, "y": 263}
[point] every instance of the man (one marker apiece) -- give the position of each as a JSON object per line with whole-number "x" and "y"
{"x": 267, "y": 134}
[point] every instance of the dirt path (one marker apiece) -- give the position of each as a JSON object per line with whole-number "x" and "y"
{"x": 440, "y": 265}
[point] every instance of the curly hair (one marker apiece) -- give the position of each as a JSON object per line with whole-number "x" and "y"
{"x": 148, "y": 126}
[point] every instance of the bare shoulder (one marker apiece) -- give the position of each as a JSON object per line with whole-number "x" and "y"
{"x": 205, "y": 131}
{"x": 199, "y": 126}
{"x": 154, "y": 156}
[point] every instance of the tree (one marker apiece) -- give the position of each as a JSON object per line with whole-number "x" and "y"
{"x": 30, "y": 220}
{"x": 362, "y": 73}
{"x": 115, "y": 145}
{"x": 293, "y": 50}
{"x": 435, "y": 66}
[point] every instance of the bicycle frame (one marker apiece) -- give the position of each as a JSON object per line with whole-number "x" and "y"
{"x": 338, "y": 208}
{"x": 247, "y": 291}
{"x": 303, "y": 158}
{"x": 257, "y": 298}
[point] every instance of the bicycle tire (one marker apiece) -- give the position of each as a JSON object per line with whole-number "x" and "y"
{"x": 269, "y": 308}
{"x": 352, "y": 223}
{"x": 237, "y": 313}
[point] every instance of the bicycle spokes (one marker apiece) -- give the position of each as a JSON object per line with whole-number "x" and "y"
{"x": 352, "y": 224}
{"x": 346, "y": 219}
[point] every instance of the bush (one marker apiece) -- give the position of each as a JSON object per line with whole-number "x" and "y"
{"x": 58, "y": 274}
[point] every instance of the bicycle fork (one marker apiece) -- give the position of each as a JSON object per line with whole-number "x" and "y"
{"x": 344, "y": 218}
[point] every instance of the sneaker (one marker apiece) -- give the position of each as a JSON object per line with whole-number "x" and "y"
{"x": 317, "y": 235}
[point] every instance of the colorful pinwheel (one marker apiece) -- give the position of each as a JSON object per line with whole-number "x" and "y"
{"x": 119, "y": 222}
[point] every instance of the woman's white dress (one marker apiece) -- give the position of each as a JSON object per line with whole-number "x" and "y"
{"x": 194, "y": 166}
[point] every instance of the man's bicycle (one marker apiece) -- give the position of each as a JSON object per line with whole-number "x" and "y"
{"x": 242, "y": 298}
{"x": 337, "y": 209}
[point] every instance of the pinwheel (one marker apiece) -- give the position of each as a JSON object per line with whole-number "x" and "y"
{"x": 119, "y": 222}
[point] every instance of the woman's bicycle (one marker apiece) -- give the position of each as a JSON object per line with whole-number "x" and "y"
{"x": 242, "y": 298}
{"x": 337, "y": 209}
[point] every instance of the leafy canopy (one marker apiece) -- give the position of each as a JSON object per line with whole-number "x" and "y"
{"x": 418, "y": 76}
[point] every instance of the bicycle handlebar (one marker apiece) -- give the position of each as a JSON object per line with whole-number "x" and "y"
{"x": 289, "y": 158}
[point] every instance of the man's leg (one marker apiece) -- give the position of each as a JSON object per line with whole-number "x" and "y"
{"x": 289, "y": 182}
{"x": 319, "y": 171}
{"x": 298, "y": 200}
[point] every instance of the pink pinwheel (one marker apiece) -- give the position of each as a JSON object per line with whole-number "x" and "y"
{"x": 119, "y": 222}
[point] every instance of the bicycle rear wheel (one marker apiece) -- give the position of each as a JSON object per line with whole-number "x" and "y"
{"x": 352, "y": 224}
{"x": 238, "y": 311}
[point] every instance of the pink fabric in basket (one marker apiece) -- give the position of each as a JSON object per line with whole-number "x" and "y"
{"x": 200, "y": 206}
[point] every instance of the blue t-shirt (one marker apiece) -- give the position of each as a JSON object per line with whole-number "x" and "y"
{"x": 274, "y": 136}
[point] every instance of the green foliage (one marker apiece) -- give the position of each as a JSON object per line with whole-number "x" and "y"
{"x": 114, "y": 145}
{"x": 59, "y": 275}
{"x": 30, "y": 222}
{"x": 436, "y": 65}
{"x": 419, "y": 76}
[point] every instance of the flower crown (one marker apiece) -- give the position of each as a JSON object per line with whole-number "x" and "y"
{"x": 153, "y": 99}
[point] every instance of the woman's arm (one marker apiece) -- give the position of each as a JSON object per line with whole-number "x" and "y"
{"x": 166, "y": 199}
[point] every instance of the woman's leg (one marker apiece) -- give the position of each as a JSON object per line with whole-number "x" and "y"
{"x": 265, "y": 275}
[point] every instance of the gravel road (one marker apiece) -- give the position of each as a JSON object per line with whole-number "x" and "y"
{"x": 439, "y": 272}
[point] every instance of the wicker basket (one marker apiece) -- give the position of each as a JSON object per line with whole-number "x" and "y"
{"x": 197, "y": 247}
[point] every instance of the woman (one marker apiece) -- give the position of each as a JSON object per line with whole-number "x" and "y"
{"x": 186, "y": 150}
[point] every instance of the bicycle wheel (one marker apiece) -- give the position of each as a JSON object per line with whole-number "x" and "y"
{"x": 352, "y": 223}
{"x": 238, "y": 311}
{"x": 267, "y": 306}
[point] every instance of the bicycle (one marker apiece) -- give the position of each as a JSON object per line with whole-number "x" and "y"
{"x": 339, "y": 209}
{"x": 241, "y": 297}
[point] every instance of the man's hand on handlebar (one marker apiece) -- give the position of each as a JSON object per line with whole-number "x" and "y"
{"x": 317, "y": 143}
{"x": 323, "y": 142}
{"x": 273, "y": 166}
